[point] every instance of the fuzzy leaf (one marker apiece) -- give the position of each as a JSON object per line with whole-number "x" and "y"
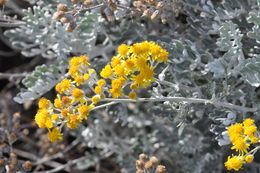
{"x": 40, "y": 81}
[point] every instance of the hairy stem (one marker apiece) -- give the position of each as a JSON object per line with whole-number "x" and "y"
{"x": 178, "y": 99}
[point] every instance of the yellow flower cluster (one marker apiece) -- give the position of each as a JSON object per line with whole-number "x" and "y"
{"x": 70, "y": 106}
{"x": 133, "y": 65}
{"x": 242, "y": 136}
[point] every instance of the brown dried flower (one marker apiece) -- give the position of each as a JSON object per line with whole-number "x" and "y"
{"x": 62, "y": 7}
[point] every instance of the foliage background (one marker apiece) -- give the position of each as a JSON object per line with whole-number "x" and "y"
{"x": 214, "y": 55}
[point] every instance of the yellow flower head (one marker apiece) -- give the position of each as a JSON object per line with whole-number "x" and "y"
{"x": 44, "y": 103}
{"x": 84, "y": 111}
{"x": 79, "y": 79}
{"x": 40, "y": 117}
{"x": 132, "y": 95}
{"x": 234, "y": 162}
{"x": 54, "y": 135}
{"x": 248, "y": 122}
{"x": 106, "y": 72}
{"x": 250, "y": 130}
{"x": 98, "y": 89}
{"x": 122, "y": 49}
{"x": 63, "y": 86}
{"x": 235, "y": 131}
{"x": 101, "y": 82}
{"x": 96, "y": 99}
{"x": 65, "y": 100}
{"x": 58, "y": 103}
{"x": 115, "y": 61}
{"x": 77, "y": 93}
{"x": 119, "y": 70}
{"x": 240, "y": 145}
{"x": 72, "y": 121}
{"x": 249, "y": 158}
{"x": 49, "y": 123}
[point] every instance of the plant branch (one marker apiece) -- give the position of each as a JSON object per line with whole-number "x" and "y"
{"x": 12, "y": 75}
{"x": 179, "y": 99}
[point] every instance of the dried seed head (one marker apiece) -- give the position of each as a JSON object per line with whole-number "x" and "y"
{"x": 139, "y": 164}
{"x": 2, "y": 161}
{"x": 27, "y": 165}
{"x": 25, "y": 132}
{"x": 151, "y": 2}
{"x": 12, "y": 137}
{"x": 154, "y": 160}
{"x": 71, "y": 26}
{"x": 10, "y": 168}
{"x": 16, "y": 116}
{"x": 64, "y": 20}
{"x": 163, "y": 18}
{"x": 147, "y": 13}
{"x": 112, "y": 5}
{"x": 13, "y": 155}
{"x": 58, "y": 15}
{"x": 142, "y": 157}
{"x": 2, "y": 2}
{"x": 160, "y": 169}
{"x": 160, "y": 5}
{"x": 155, "y": 15}
{"x": 109, "y": 14}
{"x": 62, "y": 7}
{"x": 148, "y": 165}
{"x": 88, "y": 3}
{"x": 17, "y": 125}
{"x": 74, "y": 1}
{"x": 138, "y": 4}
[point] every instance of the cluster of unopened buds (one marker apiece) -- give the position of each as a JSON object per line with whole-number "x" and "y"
{"x": 146, "y": 165}
{"x": 131, "y": 69}
{"x": 243, "y": 137}
{"x": 158, "y": 9}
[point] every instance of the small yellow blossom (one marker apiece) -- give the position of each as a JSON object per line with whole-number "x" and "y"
{"x": 235, "y": 131}
{"x": 115, "y": 61}
{"x": 79, "y": 79}
{"x": 54, "y": 135}
{"x": 58, "y": 103}
{"x": 250, "y": 130}
{"x": 234, "y": 162}
{"x": 240, "y": 145}
{"x": 122, "y": 49}
{"x": 249, "y": 158}
{"x": 77, "y": 93}
{"x": 54, "y": 117}
{"x": 40, "y": 117}
{"x": 248, "y": 122}
{"x": 65, "y": 112}
{"x": 63, "y": 86}
{"x": 98, "y": 89}
{"x": 96, "y": 99}
{"x": 101, "y": 82}
{"x": 106, "y": 72}
{"x": 72, "y": 121}
{"x": 132, "y": 95}
{"x": 84, "y": 111}
{"x": 65, "y": 100}
{"x": 49, "y": 123}
{"x": 119, "y": 70}
{"x": 44, "y": 103}
{"x": 86, "y": 76}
